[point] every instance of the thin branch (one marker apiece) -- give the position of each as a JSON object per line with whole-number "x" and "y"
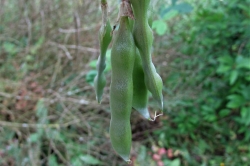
{"x": 77, "y": 30}
{"x": 56, "y": 71}
{"x": 36, "y": 126}
{"x": 77, "y": 34}
{"x": 59, "y": 154}
{"x": 58, "y": 98}
{"x": 63, "y": 48}
{"x": 243, "y": 44}
{"x": 81, "y": 48}
{"x": 29, "y": 24}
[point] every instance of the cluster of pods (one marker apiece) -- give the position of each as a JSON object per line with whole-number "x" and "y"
{"x": 133, "y": 75}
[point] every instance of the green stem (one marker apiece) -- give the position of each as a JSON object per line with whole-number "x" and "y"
{"x": 103, "y": 1}
{"x": 104, "y": 6}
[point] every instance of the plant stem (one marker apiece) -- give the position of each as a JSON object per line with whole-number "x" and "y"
{"x": 104, "y": 6}
{"x": 103, "y": 2}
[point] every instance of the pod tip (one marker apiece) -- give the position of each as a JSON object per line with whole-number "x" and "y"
{"x": 126, "y": 158}
{"x": 161, "y": 103}
{"x": 128, "y": 161}
{"x": 99, "y": 99}
{"x": 144, "y": 112}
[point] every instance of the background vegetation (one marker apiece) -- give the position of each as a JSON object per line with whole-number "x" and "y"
{"x": 48, "y": 112}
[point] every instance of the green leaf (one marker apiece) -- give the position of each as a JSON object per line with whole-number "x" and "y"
{"x": 10, "y": 48}
{"x": 224, "y": 112}
{"x": 226, "y": 60}
{"x": 171, "y": 14}
{"x": 76, "y": 162}
{"x": 243, "y": 62}
{"x": 223, "y": 69}
{"x": 160, "y": 26}
{"x": 174, "y": 2}
{"x": 52, "y": 160}
{"x": 210, "y": 118}
{"x": 29, "y": 58}
{"x": 93, "y": 63}
{"x": 142, "y": 153}
{"x": 183, "y": 7}
{"x": 235, "y": 101}
{"x": 90, "y": 76}
{"x": 88, "y": 159}
{"x": 41, "y": 111}
{"x": 233, "y": 77}
{"x": 34, "y": 137}
{"x": 175, "y": 162}
{"x": 245, "y": 115}
{"x": 37, "y": 46}
{"x": 180, "y": 8}
{"x": 247, "y": 77}
{"x": 54, "y": 135}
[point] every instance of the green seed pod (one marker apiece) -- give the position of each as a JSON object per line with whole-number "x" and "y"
{"x": 143, "y": 37}
{"x": 140, "y": 93}
{"x": 104, "y": 40}
{"x": 150, "y": 16}
{"x": 121, "y": 89}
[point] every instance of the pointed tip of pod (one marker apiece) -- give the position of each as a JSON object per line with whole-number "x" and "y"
{"x": 161, "y": 103}
{"x": 126, "y": 159}
{"x": 145, "y": 113}
{"x": 99, "y": 99}
{"x": 128, "y": 162}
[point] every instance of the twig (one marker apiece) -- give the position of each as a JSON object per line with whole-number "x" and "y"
{"x": 58, "y": 152}
{"x": 43, "y": 23}
{"x": 32, "y": 98}
{"x": 75, "y": 47}
{"x": 56, "y": 71}
{"x": 5, "y": 95}
{"x": 77, "y": 30}
{"x": 77, "y": 34}
{"x": 36, "y": 126}
{"x": 83, "y": 48}
{"x": 29, "y": 33}
{"x": 243, "y": 44}
{"x": 63, "y": 48}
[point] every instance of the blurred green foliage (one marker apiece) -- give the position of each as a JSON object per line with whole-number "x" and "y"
{"x": 210, "y": 121}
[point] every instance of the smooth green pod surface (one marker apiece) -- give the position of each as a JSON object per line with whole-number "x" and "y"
{"x": 140, "y": 93}
{"x": 143, "y": 37}
{"x": 150, "y": 16}
{"x": 104, "y": 39}
{"x": 121, "y": 89}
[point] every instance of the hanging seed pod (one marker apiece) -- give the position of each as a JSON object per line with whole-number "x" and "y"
{"x": 121, "y": 89}
{"x": 143, "y": 37}
{"x": 104, "y": 40}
